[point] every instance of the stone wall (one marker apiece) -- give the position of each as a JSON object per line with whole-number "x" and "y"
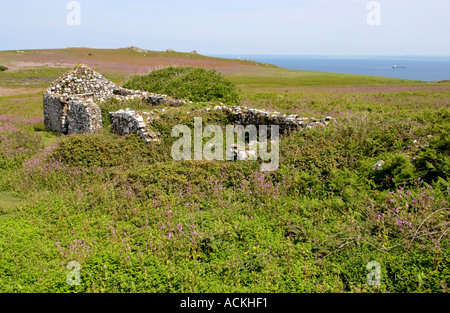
{"x": 55, "y": 113}
{"x": 287, "y": 123}
{"x": 124, "y": 122}
{"x": 146, "y": 97}
{"x": 71, "y": 115}
{"x": 83, "y": 116}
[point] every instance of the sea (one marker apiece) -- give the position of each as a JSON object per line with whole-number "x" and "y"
{"x": 406, "y": 67}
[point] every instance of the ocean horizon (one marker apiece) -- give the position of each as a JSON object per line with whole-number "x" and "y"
{"x": 423, "y": 68}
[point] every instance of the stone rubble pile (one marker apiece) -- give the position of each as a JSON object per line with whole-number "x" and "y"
{"x": 246, "y": 116}
{"x": 83, "y": 81}
{"x": 236, "y": 154}
{"x": 124, "y": 122}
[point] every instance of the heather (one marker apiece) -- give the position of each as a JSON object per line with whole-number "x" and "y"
{"x": 138, "y": 221}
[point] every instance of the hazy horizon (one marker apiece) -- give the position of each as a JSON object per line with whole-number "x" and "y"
{"x": 249, "y": 54}
{"x": 252, "y": 27}
{"x": 331, "y": 56}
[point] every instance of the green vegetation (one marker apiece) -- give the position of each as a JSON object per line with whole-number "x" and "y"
{"x": 31, "y": 77}
{"x": 138, "y": 221}
{"x": 195, "y": 84}
{"x": 3, "y": 68}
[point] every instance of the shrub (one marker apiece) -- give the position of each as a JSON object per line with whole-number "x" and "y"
{"x": 101, "y": 150}
{"x": 195, "y": 84}
{"x": 434, "y": 161}
{"x": 3, "y": 68}
{"x": 396, "y": 170}
{"x": 16, "y": 146}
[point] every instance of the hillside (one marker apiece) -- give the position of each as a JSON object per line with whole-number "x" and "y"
{"x": 369, "y": 185}
{"x": 37, "y": 68}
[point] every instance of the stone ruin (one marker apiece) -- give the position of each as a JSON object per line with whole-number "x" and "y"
{"x": 71, "y": 106}
{"x": 287, "y": 123}
{"x": 71, "y": 102}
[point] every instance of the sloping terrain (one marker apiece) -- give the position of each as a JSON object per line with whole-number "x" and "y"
{"x": 371, "y": 186}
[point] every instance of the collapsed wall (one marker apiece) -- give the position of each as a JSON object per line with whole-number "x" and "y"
{"x": 246, "y": 116}
{"x": 147, "y": 97}
{"x": 287, "y": 123}
{"x": 124, "y": 122}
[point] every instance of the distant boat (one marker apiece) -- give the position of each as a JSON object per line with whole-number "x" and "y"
{"x": 395, "y": 66}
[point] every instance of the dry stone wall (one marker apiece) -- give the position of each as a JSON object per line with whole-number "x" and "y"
{"x": 83, "y": 116}
{"x": 287, "y": 123}
{"x": 150, "y": 98}
{"x": 55, "y": 113}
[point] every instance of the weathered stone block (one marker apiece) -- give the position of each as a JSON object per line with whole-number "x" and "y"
{"x": 83, "y": 116}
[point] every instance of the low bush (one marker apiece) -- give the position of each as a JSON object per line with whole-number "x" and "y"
{"x": 433, "y": 162}
{"x": 195, "y": 84}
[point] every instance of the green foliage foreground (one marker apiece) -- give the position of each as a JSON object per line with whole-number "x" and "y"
{"x": 137, "y": 221}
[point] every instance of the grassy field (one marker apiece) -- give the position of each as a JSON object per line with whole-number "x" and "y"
{"x": 138, "y": 221}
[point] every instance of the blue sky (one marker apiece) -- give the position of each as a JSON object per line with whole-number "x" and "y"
{"x": 293, "y": 27}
